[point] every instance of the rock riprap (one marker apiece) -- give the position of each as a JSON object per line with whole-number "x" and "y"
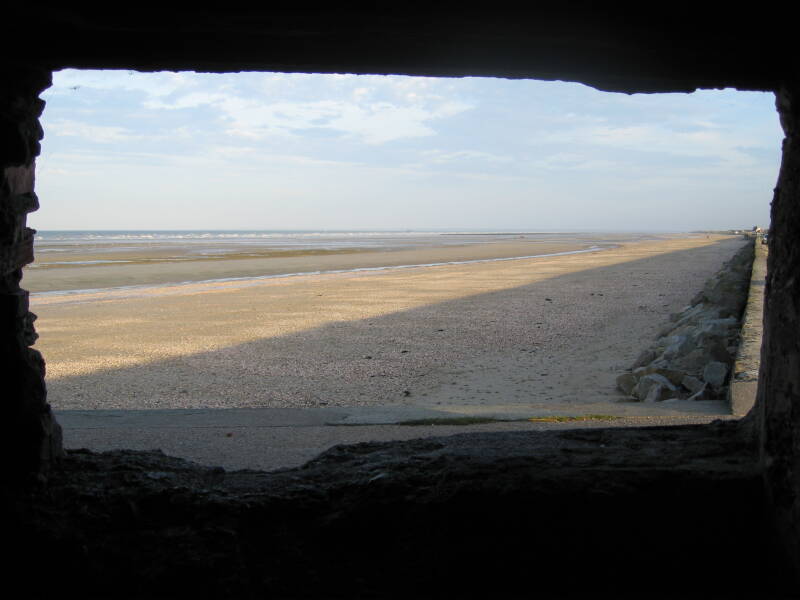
{"x": 693, "y": 354}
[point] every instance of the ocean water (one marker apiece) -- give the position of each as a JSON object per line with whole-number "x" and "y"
{"x": 69, "y": 248}
{"x": 218, "y": 241}
{"x": 261, "y": 237}
{"x": 53, "y": 241}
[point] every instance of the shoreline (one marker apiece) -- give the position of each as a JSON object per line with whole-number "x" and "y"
{"x": 196, "y": 269}
{"x": 91, "y": 266}
{"x": 145, "y": 287}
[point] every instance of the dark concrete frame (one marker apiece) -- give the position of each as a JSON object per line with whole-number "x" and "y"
{"x": 616, "y": 48}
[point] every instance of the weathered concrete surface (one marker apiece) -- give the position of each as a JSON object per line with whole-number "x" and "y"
{"x": 621, "y": 47}
{"x": 267, "y": 439}
{"x": 141, "y": 526}
{"x": 777, "y": 409}
{"x": 744, "y": 381}
{"x": 654, "y": 512}
{"x": 30, "y": 439}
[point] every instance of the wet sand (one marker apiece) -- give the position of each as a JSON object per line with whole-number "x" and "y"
{"x": 534, "y": 332}
{"x": 145, "y": 266}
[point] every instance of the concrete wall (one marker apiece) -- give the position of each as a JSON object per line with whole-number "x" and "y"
{"x": 614, "y": 48}
{"x": 778, "y": 403}
{"x": 30, "y": 438}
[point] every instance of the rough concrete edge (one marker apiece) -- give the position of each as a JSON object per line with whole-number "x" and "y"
{"x": 744, "y": 377}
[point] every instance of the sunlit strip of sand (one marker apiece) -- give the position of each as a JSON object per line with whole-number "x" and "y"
{"x": 140, "y": 271}
{"x": 192, "y": 287}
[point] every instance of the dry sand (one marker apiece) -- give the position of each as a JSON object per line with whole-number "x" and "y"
{"x": 535, "y": 331}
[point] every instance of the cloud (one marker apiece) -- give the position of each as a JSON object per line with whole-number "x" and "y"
{"x": 383, "y": 122}
{"x": 710, "y": 144}
{"x": 566, "y": 161}
{"x": 442, "y": 157}
{"x": 101, "y": 134}
{"x": 371, "y": 109}
{"x": 372, "y": 122}
{"x": 191, "y": 100}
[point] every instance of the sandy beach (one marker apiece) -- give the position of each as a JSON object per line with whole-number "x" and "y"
{"x": 94, "y": 266}
{"x": 544, "y": 331}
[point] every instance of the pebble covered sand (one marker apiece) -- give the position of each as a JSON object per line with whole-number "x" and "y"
{"x": 546, "y": 330}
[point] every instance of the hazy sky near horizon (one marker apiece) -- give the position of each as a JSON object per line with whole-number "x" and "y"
{"x": 128, "y": 150}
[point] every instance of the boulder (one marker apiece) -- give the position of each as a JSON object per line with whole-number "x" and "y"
{"x": 718, "y": 351}
{"x": 675, "y": 377}
{"x": 693, "y": 384}
{"x": 701, "y": 394}
{"x": 682, "y": 346}
{"x": 646, "y": 357}
{"x": 690, "y": 315}
{"x": 668, "y": 340}
{"x": 692, "y": 363}
{"x": 659, "y": 363}
{"x": 719, "y": 327}
{"x": 654, "y": 394}
{"x": 728, "y": 290}
{"x": 705, "y": 339}
{"x": 659, "y": 393}
{"x": 715, "y": 373}
{"x": 693, "y": 353}
{"x": 646, "y": 383}
{"x": 626, "y": 382}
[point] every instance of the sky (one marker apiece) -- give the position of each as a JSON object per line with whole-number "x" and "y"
{"x": 129, "y": 150}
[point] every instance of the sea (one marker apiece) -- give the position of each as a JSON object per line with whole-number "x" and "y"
{"x": 215, "y": 242}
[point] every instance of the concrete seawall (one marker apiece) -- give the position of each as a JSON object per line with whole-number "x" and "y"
{"x": 744, "y": 379}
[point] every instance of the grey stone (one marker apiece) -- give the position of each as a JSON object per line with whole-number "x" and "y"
{"x": 717, "y": 331}
{"x": 693, "y": 384}
{"x": 714, "y": 373}
{"x": 728, "y": 290}
{"x": 658, "y": 393}
{"x": 668, "y": 340}
{"x": 705, "y": 339}
{"x": 696, "y": 315}
{"x": 701, "y": 394}
{"x": 642, "y": 389}
{"x": 720, "y": 327}
{"x": 674, "y": 317}
{"x": 645, "y": 357}
{"x": 718, "y": 351}
{"x": 681, "y": 347}
{"x": 699, "y": 298}
{"x": 668, "y": 329}
{"x": 626, "y": 382}
{"x": 692, "y": 363}
{"x": 693, "y": 313}
{"x": 686, "y": 329}
{"x": 675, "y": 377}
{"x": 659, "y": 363}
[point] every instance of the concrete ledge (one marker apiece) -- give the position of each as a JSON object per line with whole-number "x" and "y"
{"x": 558, "y": 514}
{"x": 744, "y": 380}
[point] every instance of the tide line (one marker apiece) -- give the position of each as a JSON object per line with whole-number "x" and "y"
{"x": 130, "y": 291}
